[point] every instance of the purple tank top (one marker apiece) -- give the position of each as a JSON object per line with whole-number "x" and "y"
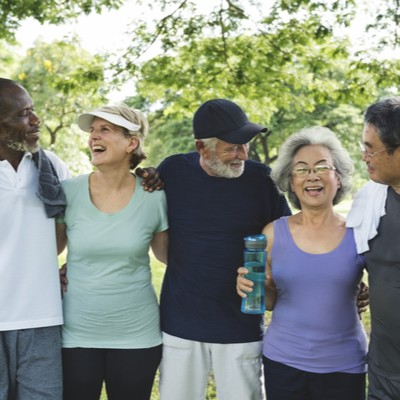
{"x": 315, "y": 326}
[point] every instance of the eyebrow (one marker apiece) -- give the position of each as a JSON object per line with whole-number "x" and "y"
{"x": 104, "y": 124}
{"x": 26, "y": 108}
{"x": 368, "y": 144}
{"x": 303, "y": 162}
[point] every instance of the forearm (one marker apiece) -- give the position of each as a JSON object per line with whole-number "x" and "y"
{"x": 159, "y": 245}
{"x": 61, "y": 237}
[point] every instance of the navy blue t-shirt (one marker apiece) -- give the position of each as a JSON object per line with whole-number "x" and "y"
{"x": 208, "y": 219}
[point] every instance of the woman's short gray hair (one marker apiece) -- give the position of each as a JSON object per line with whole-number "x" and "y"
{"x": 317, "y": 135}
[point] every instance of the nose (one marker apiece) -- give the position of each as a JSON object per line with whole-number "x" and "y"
{"x": 312, "y": 175}
{"x": 364, "y": 156}
{"x": 242, "y": 152}
{"x": 94, "y": 134}
{"x": 92, "y": 138}
{"x": 33, "y": 118}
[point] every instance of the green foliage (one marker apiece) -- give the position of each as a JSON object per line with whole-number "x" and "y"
{"x": 387, "y": 20}
{"x": 64, "y": 81}
{"x": 51, "y": 11}
{"x": 8, "y": 60}
{"x": 167, "y": 134}
{"x": 288, "y": 77}
{"x": 282, "y": 61}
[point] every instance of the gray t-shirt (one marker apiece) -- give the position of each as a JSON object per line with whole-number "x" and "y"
{"x": 383, "y": 264}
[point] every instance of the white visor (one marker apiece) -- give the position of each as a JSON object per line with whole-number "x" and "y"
{"x": 85, "y": 120}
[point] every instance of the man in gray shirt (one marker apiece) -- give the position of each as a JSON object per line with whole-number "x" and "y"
{"x": 375, "y": 216}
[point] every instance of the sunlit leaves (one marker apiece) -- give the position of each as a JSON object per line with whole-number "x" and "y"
{"x": 290, "y": 71}
{"x": 51, "y": 11}
{"x": 64, "y": 80}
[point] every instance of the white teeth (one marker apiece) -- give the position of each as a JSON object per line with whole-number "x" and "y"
{"x": 97, "y": 147}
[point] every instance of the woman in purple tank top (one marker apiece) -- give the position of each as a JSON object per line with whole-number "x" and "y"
{"x": 315, "y": 346}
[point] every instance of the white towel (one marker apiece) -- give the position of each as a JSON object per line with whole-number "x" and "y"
{"x": 366, "y": 211}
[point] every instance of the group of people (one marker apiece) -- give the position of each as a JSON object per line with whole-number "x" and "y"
{"x": 112, "y": 330}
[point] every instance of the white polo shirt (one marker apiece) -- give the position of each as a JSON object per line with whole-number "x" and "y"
{"x": 29, "y": 281}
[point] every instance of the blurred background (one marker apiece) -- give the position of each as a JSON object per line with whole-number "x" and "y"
{"x": 289, "y": 64}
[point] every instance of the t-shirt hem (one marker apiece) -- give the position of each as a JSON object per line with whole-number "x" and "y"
{"x": 69, "y": 345}
{"x": 207, "y": 339}
{"x": 43, "y": 323}
{"x": 351, "y": 369}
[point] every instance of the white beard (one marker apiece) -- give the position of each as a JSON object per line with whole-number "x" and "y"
{"x": 218, "y": 168}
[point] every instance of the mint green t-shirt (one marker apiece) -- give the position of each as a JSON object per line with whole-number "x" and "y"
{"x": 111, "y": 302}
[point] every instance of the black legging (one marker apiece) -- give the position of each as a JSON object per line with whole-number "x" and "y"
{"x": 128, "y": 373}
{"x": 283, "y": 382}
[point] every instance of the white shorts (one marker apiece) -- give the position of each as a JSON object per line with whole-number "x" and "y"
{"x": 186, "y": 366}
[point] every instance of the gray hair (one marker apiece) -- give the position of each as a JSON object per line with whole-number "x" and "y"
{"x": 210, "y": 143}
{"x": 317, "y": 135}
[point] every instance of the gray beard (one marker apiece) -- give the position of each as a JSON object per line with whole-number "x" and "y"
{"x": 21, "y": 146}
{"x": 223, "y": 170}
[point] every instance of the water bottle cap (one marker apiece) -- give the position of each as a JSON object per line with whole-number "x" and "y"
{"x": 255, "y": 241}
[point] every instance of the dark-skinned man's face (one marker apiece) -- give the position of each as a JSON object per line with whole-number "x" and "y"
{"x": 19, "y": 125}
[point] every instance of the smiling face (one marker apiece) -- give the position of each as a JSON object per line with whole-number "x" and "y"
{"x": 108, "y": 144}
{"x": 316, "y": 188}
{"x": 226, "y": 160}
{"x": 19, "y": 125}
{"x": 382, "y": 167}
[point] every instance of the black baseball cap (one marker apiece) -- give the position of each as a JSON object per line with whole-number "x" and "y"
{"x": 224, "y": 120}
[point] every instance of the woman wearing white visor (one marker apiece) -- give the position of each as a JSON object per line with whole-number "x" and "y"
{"x": 111, "y": 332}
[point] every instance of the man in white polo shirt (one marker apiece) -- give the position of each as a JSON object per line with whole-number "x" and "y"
{"x": 30, "y": 299}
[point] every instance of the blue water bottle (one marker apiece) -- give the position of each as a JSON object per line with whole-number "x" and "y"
{"x": 255, "y": 258}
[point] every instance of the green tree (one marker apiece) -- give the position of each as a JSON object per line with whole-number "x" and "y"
{"x": 12, "y": 12}
{"x": 294, "y": 75}
{"x": 167, "y": 135}
{"x": 286, "y": 64}
{"x": 185, "y": 21}
{"x": 64, "y": 80}
{"x": 8, "y": 59}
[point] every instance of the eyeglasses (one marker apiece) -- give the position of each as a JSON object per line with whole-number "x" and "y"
{"x": 319, "y": 170}
{"x": 370, "y": 155}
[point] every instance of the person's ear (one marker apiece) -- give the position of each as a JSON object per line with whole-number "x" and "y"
{"x": 200, "y": 146}
{"x": 339, "y": 184}
{"x": 133, "y": 144}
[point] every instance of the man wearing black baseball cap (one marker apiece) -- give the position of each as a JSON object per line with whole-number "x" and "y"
{"x": 216, "y": 197}
{"x": 224, "y": 120}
